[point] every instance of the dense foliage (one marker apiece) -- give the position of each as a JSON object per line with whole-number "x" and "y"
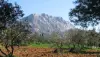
{"x": 12, "y": 31}
{"x": 86, "y": 12}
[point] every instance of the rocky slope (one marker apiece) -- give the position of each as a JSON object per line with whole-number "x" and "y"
{"x": 47, "y": 24}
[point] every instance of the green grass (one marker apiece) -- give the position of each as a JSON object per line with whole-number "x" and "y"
{"x": 93, "y": 49}
{"x": 46, "y": 45}
{"x": 40, "y": 45}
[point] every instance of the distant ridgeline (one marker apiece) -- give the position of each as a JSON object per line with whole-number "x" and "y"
{"x": 47, "y": 24}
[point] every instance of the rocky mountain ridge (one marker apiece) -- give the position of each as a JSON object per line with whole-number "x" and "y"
{"x": 47, "y": 24}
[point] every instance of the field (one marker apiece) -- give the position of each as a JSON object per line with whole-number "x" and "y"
{"x": 29, "y": 51}
{"x": 46, "y": 52}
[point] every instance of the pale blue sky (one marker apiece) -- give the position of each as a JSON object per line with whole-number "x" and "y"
{"x": 52, "y": 7}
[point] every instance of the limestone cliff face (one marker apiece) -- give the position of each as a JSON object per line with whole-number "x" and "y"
{"x": 47, "y": 24}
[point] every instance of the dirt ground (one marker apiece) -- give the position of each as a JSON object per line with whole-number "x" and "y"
{"x": 45, "y": 52}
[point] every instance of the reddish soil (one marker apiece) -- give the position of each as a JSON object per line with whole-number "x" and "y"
{"x": 45, "y": 52}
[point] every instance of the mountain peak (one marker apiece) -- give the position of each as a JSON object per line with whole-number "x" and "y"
{"x": 44, "y": 23}
{"x": 36, "y": 14}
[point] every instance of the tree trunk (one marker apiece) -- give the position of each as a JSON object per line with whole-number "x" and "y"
{"x": 3, "y": 53}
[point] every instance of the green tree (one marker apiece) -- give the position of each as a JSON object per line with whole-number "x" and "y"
{"x": 93, "y": 38}
{"x": 77, "y": 39}
{"x": 57, "y": 42}
{"x": 9, "y": 32}
{"x": 9, "y": 13}
{"x": 35, "y": 38}
{"x": 13, "y": 36}
{"x": 86, "y": 12}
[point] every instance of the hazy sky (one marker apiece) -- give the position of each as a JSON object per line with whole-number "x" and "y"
{"x": 52, "y": 7}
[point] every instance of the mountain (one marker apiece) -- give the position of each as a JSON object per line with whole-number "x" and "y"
{"x": 47, "y": 24}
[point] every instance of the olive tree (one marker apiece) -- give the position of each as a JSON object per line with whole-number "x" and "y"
{"x": 9, "y": 14}
{"x": 57, "y": 41}
{"x": 76, "y": 39}
{"x": 93, "y": 38}
{"x": 13, "y": 36}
